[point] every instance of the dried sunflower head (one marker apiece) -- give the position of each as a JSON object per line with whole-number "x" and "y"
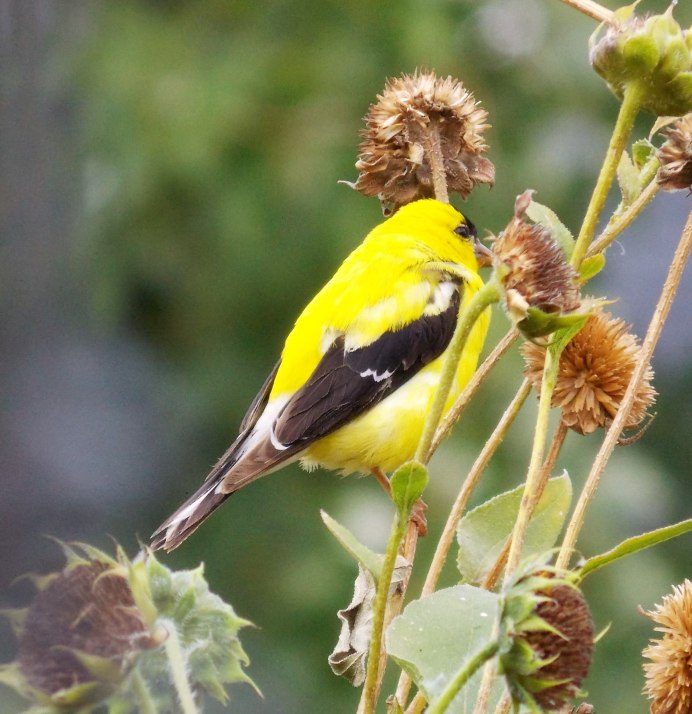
{"x": 81, "y": 634}
{"x": 394, "y": 162}
{"x": 669, "y": 673}
{"x": 595, "y": 370}
{"x": 540, "y": 286}
{"x": 676, "y": 156}
{"x": 550, "y": 624}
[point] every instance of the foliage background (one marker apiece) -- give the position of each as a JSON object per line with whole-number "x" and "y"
{"x": 169, "y": 204}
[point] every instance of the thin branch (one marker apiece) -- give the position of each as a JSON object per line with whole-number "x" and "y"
{"x": 470, "y": 389}
{"x": 447, "y": 538}
{"x": 558, "y": 440}
{"x": 529, "y": 498}
{"x": 593, "y": 10}
{"x": 433, "y": 150}
{"x": 481, "y": 300}
{"x": 631, "y": 103}
{"x": 624, "y": 220}
{"x": 652, "y": 335}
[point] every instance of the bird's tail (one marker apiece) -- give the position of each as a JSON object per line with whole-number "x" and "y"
{"x": 243, "y": 462}
{"x": 175, "y": 529}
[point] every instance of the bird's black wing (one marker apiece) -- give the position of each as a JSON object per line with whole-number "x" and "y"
{"x": 254, "y": 411}
{"x": 347, "y": 382}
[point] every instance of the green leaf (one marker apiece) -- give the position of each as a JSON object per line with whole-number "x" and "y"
{"x": 591, "y": 267}
{"x": 628, "y": 178}
{"x": 634, "y": 545}
{"x": 435, "y": 636}
{"x": 370, "y": 560}
{"x": 482, "y": 532}
{"x": 408, "y": 483}
{"x": 539, "y": 213}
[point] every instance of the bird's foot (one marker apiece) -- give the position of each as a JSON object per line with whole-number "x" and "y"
{"x": 418, "y": 516}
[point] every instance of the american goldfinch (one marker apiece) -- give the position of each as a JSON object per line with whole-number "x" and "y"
{"x": 358, "y": 372}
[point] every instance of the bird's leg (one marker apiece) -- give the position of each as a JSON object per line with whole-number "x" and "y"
{"x": 419, "y": 507}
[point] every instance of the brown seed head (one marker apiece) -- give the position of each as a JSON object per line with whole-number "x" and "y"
{"x": 566, "y": 611}
{"x": 393, "y": 161}
{"x": 669, "y": 674}
{"x": 86, "y": 609}
{"x": 551, "y": 630}
{"x": 595, "y": 370}
{"x": 532, "y": 266}
{"x": 676, "y": 156}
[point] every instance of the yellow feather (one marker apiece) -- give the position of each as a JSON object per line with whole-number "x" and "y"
{"x": 407, "y": 268}
{"x": 383, "y": 285}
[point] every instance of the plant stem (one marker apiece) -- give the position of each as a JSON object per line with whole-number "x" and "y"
{"x": 470, "y": 482}
{"x": 623, "y": 221}
{"x": 504, "y": 705}
{"x": 145, "y": 703}
{"x": 533, "y": 478}
{"x": 461, "y": 677}
{"x": 592, "y": 9}
{"x": 483, "y": 298}
{"x": 417, "y": 705}
{"x": 433, "y": 150}
{"x": 486, "y": 686}
{"x": 558, "y": 440}
{"x": 658, "y": 319}
{"x": 464, "y": 399}
{"x": 631, "y": 103}
{"x": 372, "y": 678}
{"x": 176, "y": 664}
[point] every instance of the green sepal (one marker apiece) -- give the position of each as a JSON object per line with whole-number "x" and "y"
{"x": 408, "y": 483}
{"x": 642, "y": 151}
{"x": 138, "y": 578}
{"x": 103, "y": 670}
{"x": 628, "y": 179}
{"x": 80, "y": 696}
{"x": 370, "y": 560}
{"x": 634, "y": 545}
{"x": 591, "y": 267}
{"x": 641, "y": 54}
{"x": 539, "y": 213}
{"x": 16, "y": 617}
{"x": 539, "y": 324}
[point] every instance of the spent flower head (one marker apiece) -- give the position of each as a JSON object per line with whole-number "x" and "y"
{"x": 412, "y": 115}
{"x": 669, "y": 671}
{"x": 594, "y": 373}
{"x": 540, "y": 286}
{"x": 93, "y": 625}
{"x": 549, "y": 624}
{"x": 676, "y": 156}
{"x": 653, "y": 54}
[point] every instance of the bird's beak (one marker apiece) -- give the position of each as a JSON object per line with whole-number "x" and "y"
{"x": 484, "y": 255}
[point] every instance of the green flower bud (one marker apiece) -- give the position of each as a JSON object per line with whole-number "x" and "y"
{"x": 653, "y": 54}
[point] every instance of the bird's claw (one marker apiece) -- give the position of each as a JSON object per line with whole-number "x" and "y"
{"x": 418, "y": 518}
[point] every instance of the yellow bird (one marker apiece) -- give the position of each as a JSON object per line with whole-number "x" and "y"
{"x": 358, "y": 372}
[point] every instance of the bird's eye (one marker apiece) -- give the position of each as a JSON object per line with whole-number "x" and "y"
{"x": 466, "y": 229}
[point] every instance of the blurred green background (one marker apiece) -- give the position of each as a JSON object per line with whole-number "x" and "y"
{"x": 170, "y": 201}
